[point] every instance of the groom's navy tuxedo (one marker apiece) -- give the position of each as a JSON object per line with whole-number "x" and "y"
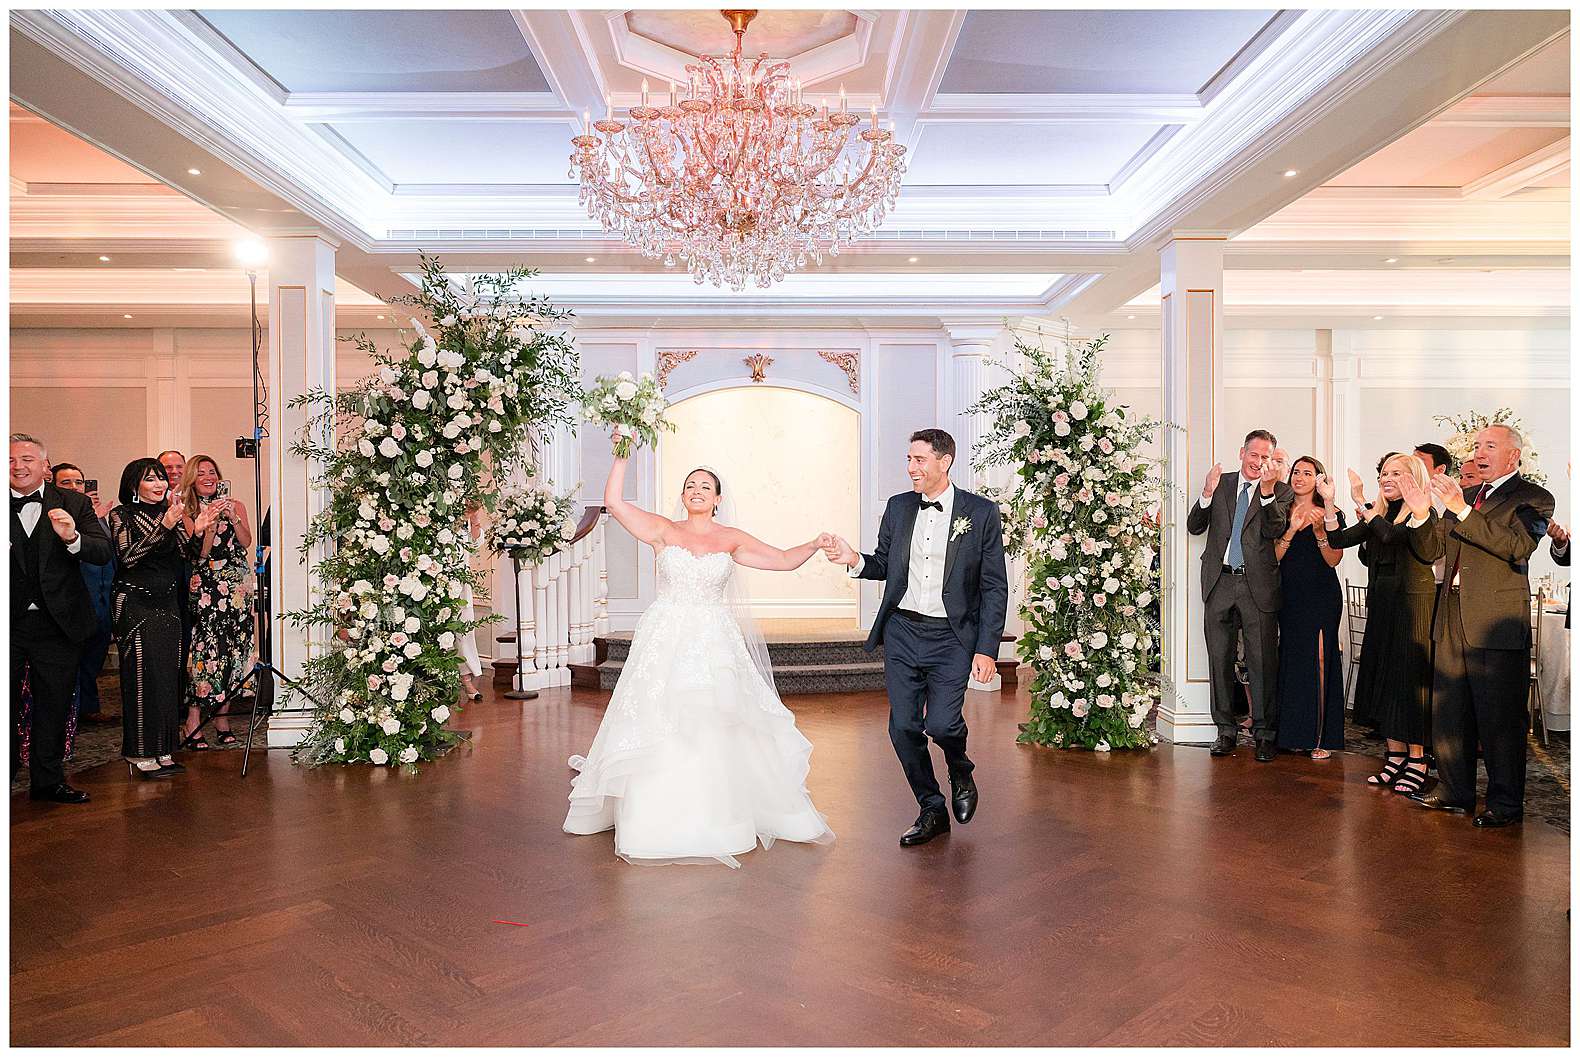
{"x": 927, "y": 655}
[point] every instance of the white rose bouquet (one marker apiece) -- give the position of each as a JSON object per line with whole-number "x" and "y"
{"x": 633, "y": 406}
{"x": 531, "y": 525}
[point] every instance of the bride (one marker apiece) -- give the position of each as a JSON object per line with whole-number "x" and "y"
{"x": 697, "y": 759}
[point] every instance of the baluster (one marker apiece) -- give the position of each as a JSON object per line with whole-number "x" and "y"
{"x": 540, "y": 611}
{"x": 601, "y": 590}
{"x": 562, "y": 642}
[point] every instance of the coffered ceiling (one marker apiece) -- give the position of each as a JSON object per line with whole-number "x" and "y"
{"x": 1060, "y": 147}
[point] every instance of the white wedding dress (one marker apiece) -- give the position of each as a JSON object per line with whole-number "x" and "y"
{"x": 697, "y": 759}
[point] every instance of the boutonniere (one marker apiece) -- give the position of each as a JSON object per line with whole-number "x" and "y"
{"x": 962, "y": 526}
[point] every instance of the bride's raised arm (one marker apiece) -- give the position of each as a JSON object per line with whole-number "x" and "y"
{"x": 649, "y": 528}
{"x": 753, "y": 553}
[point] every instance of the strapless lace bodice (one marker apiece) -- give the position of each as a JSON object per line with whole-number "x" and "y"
{"x": 686, "y": 579}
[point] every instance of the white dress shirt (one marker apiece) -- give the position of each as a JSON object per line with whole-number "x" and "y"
{"x": 924, "y": 589}
{"x": 29, "y": 516}
{"x": 1256, "y": 484}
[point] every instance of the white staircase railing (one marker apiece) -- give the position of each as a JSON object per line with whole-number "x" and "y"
{"x": 564, "y": 605}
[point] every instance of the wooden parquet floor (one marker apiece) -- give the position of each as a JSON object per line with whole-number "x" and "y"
{"x": 1162, "y": 898}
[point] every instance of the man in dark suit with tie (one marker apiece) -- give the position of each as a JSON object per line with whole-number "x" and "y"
{"x": 1481, "y": 630}
{"x": 940, "y": 555}
{"x": 1243, "y": 515}
{"x": 52, "y": 534}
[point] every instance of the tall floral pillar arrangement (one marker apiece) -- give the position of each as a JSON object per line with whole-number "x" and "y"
{"x": 432, "y": 431}
{"x": 1075, "y": 509}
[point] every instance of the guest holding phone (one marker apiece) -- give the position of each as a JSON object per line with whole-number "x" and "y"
{"x": 218, "y": 596}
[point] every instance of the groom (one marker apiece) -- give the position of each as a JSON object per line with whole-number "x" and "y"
{"x": 940, "y": 556}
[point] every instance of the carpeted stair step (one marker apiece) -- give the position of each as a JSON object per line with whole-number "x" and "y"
{"x": 793, "y": 678}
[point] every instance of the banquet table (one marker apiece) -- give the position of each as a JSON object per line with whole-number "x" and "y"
{"x": 1553, "y": 669}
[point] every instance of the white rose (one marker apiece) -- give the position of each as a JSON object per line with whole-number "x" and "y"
{"x": 455, "y": 472}
{"x": 430, "y": 379}
{"x": 404, "y": 531}
{"x": 347, "y": 716}
{"x": 389, "y": 447}
{"x": 412, "y": 649}
{"x": 390, "y": 726}
{"x": 379, "y": 757}
{"x": 388, "y": 375}
{"x": 440, "y": 714}
{"x": 549, "y": 508}
{"x": 340, "y": 746}
{"x": 365, "y": 511}
{"x": 446, "y": 641}
{"x": 451, "y": 431}
{"x": 413, "y": 625}
{"x": 400, "y": 686}
{"x": 408, "y": 754}
{"x": 369, "y": 610}
{"x": 425, "y": 458}
{"x": 1128, "y": 640}
{"x": 1144, "y": 599}
{"x": 379, "y": 544}
{"x": 1045, "y": 652}
{"x": 1104, "y": 679}
{"x": 1078, "y": 411}
{"x": 1062, "y": 428}
{"x": 365, "y": 446}
{"x": 1110, "y": 585}
{"x": 1098, "y": 639}
{"x": 421, "y": 399}
{"x": 625, "y": 390}
{"x": 446, "y": 537}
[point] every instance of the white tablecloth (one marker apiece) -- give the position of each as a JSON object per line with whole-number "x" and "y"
{"x": 1553, "y": 671}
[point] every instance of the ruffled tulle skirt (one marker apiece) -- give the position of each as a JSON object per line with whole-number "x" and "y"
{"x": 697, "y": 759}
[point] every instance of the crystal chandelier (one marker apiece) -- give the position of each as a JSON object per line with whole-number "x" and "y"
{"x": 737, "y": 176}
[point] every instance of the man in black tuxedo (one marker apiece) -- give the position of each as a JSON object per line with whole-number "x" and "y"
{"x": 1481, "y": 630}
{"x": 52, "y": 533}
{"x": 940, "y": 555}
{"x": 1243, "y": 515}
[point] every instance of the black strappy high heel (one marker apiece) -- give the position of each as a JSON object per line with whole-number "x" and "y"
{"x": 1412, "y": 781}
{"x": 1390, "y": 772}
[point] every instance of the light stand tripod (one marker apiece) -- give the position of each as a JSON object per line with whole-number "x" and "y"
{"x": 263, "y": 670}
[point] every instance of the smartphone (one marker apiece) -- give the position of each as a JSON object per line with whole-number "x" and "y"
{"x": 224, "y": 490}
{"x": 90, "y": 486}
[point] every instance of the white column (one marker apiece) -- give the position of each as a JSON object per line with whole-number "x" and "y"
{"x": 1192, "y": 333}
{"x": 972, "y": 345}
{"x": 1344, "y": 408}
{"x": 301, "y": 298}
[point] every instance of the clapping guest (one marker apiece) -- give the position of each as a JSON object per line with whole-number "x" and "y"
{"x": 1310, "y": 672}
{"x": 1482, "y": 629}
{"x": 218, "y": 599}
{"x": 1395, "y": 681}
{"x": 1280, "y": 459}
{"x": 52, "y": 533}
{"x": 1242, "y": 515}
{"x": 1469, "y": 476}
{"x": 99, "y": 580}
{"x": 146, "y": 528}
{"x": 1437, "y": 460}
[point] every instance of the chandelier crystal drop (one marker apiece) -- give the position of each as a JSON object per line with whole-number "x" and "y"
{"x": 737, "y": 176}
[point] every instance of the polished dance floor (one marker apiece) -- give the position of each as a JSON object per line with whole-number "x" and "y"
{"x": 1159, "y": 898}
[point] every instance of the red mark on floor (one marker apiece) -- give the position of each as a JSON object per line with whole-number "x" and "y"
{"x": 502, "y": 921}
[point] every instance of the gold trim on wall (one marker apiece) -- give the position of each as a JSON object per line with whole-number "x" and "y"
{"x": 668, "y": 360}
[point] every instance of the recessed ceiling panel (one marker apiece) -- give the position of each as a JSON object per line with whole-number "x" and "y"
{"x": 778, "y": 33}
{"x": 990, "y": 153}
{"x": 1544, "y": 73}
{"x": 1036, "y": 52}
{"x": 464, "y": 152}
{"x": 385, "y": 51}
{"x": 43, "y": 153}
{"x": 1446, "y": 156}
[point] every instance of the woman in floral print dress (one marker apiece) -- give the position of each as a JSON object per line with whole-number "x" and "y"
{"x": 219, "y": 597}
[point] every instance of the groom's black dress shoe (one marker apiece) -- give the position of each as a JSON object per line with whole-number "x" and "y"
{"x": 931, "y": 824}
{"x": 1494, "y": 820}
{"x": 1224, "y": 746}
{"x": 60, "y": 793}
{"x": 963, "y": 798}
{"x": 1265, "y": 751}
{"x": 1437, "y": 802}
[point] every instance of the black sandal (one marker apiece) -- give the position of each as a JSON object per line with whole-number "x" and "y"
{"x": 1412, "y": 781}
{"x": 195, "y": 742}
{"x": 1390, "y": 772}
{"x": 225, "y": 738}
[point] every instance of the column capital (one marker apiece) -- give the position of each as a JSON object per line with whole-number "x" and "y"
{"x": 972, "y": 332}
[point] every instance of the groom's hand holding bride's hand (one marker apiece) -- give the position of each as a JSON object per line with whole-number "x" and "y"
{"x": 836, "y": 550}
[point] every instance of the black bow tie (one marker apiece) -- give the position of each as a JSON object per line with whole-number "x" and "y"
{"x": 19, "y": 502}
{"x": 936, "y": 505}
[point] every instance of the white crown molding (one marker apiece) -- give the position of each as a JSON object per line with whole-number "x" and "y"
{"x": 345, "y": 107}
{"x": 559, "y": 44}
{"x": 1522, "y": 172}
{"x": 1319, "y": 58}
{"x": 1508, "y": 111}
{"x": 1116, "y": 108}
{"x": 1260, "y": 42}
{"x": 652, "y": 59}
{"x": 153, "y": 59}
{"x": 923, "y": 45}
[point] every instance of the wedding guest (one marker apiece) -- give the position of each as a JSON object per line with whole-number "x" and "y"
{"x": 1469, "y": 475}
{"x": 1242, "y": 515}
{"x": 99, "y": 579}
{"x": 1560, "y": 555}
{"x": 1281, "y": 463}
{"x": 174, "y": 464}
{"x": 1395, "y": 680}
{"x": 466, "y": 645}
{"x": 175, "y": 468}
{"x": 1310, "y": 670}
{"x": 1482, "y": 630}
{"x": 52, "y": 533}
{"x": 1437, "y": 460}
{"x": 146, "y": 528}
{"x": 220, "y": 650}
